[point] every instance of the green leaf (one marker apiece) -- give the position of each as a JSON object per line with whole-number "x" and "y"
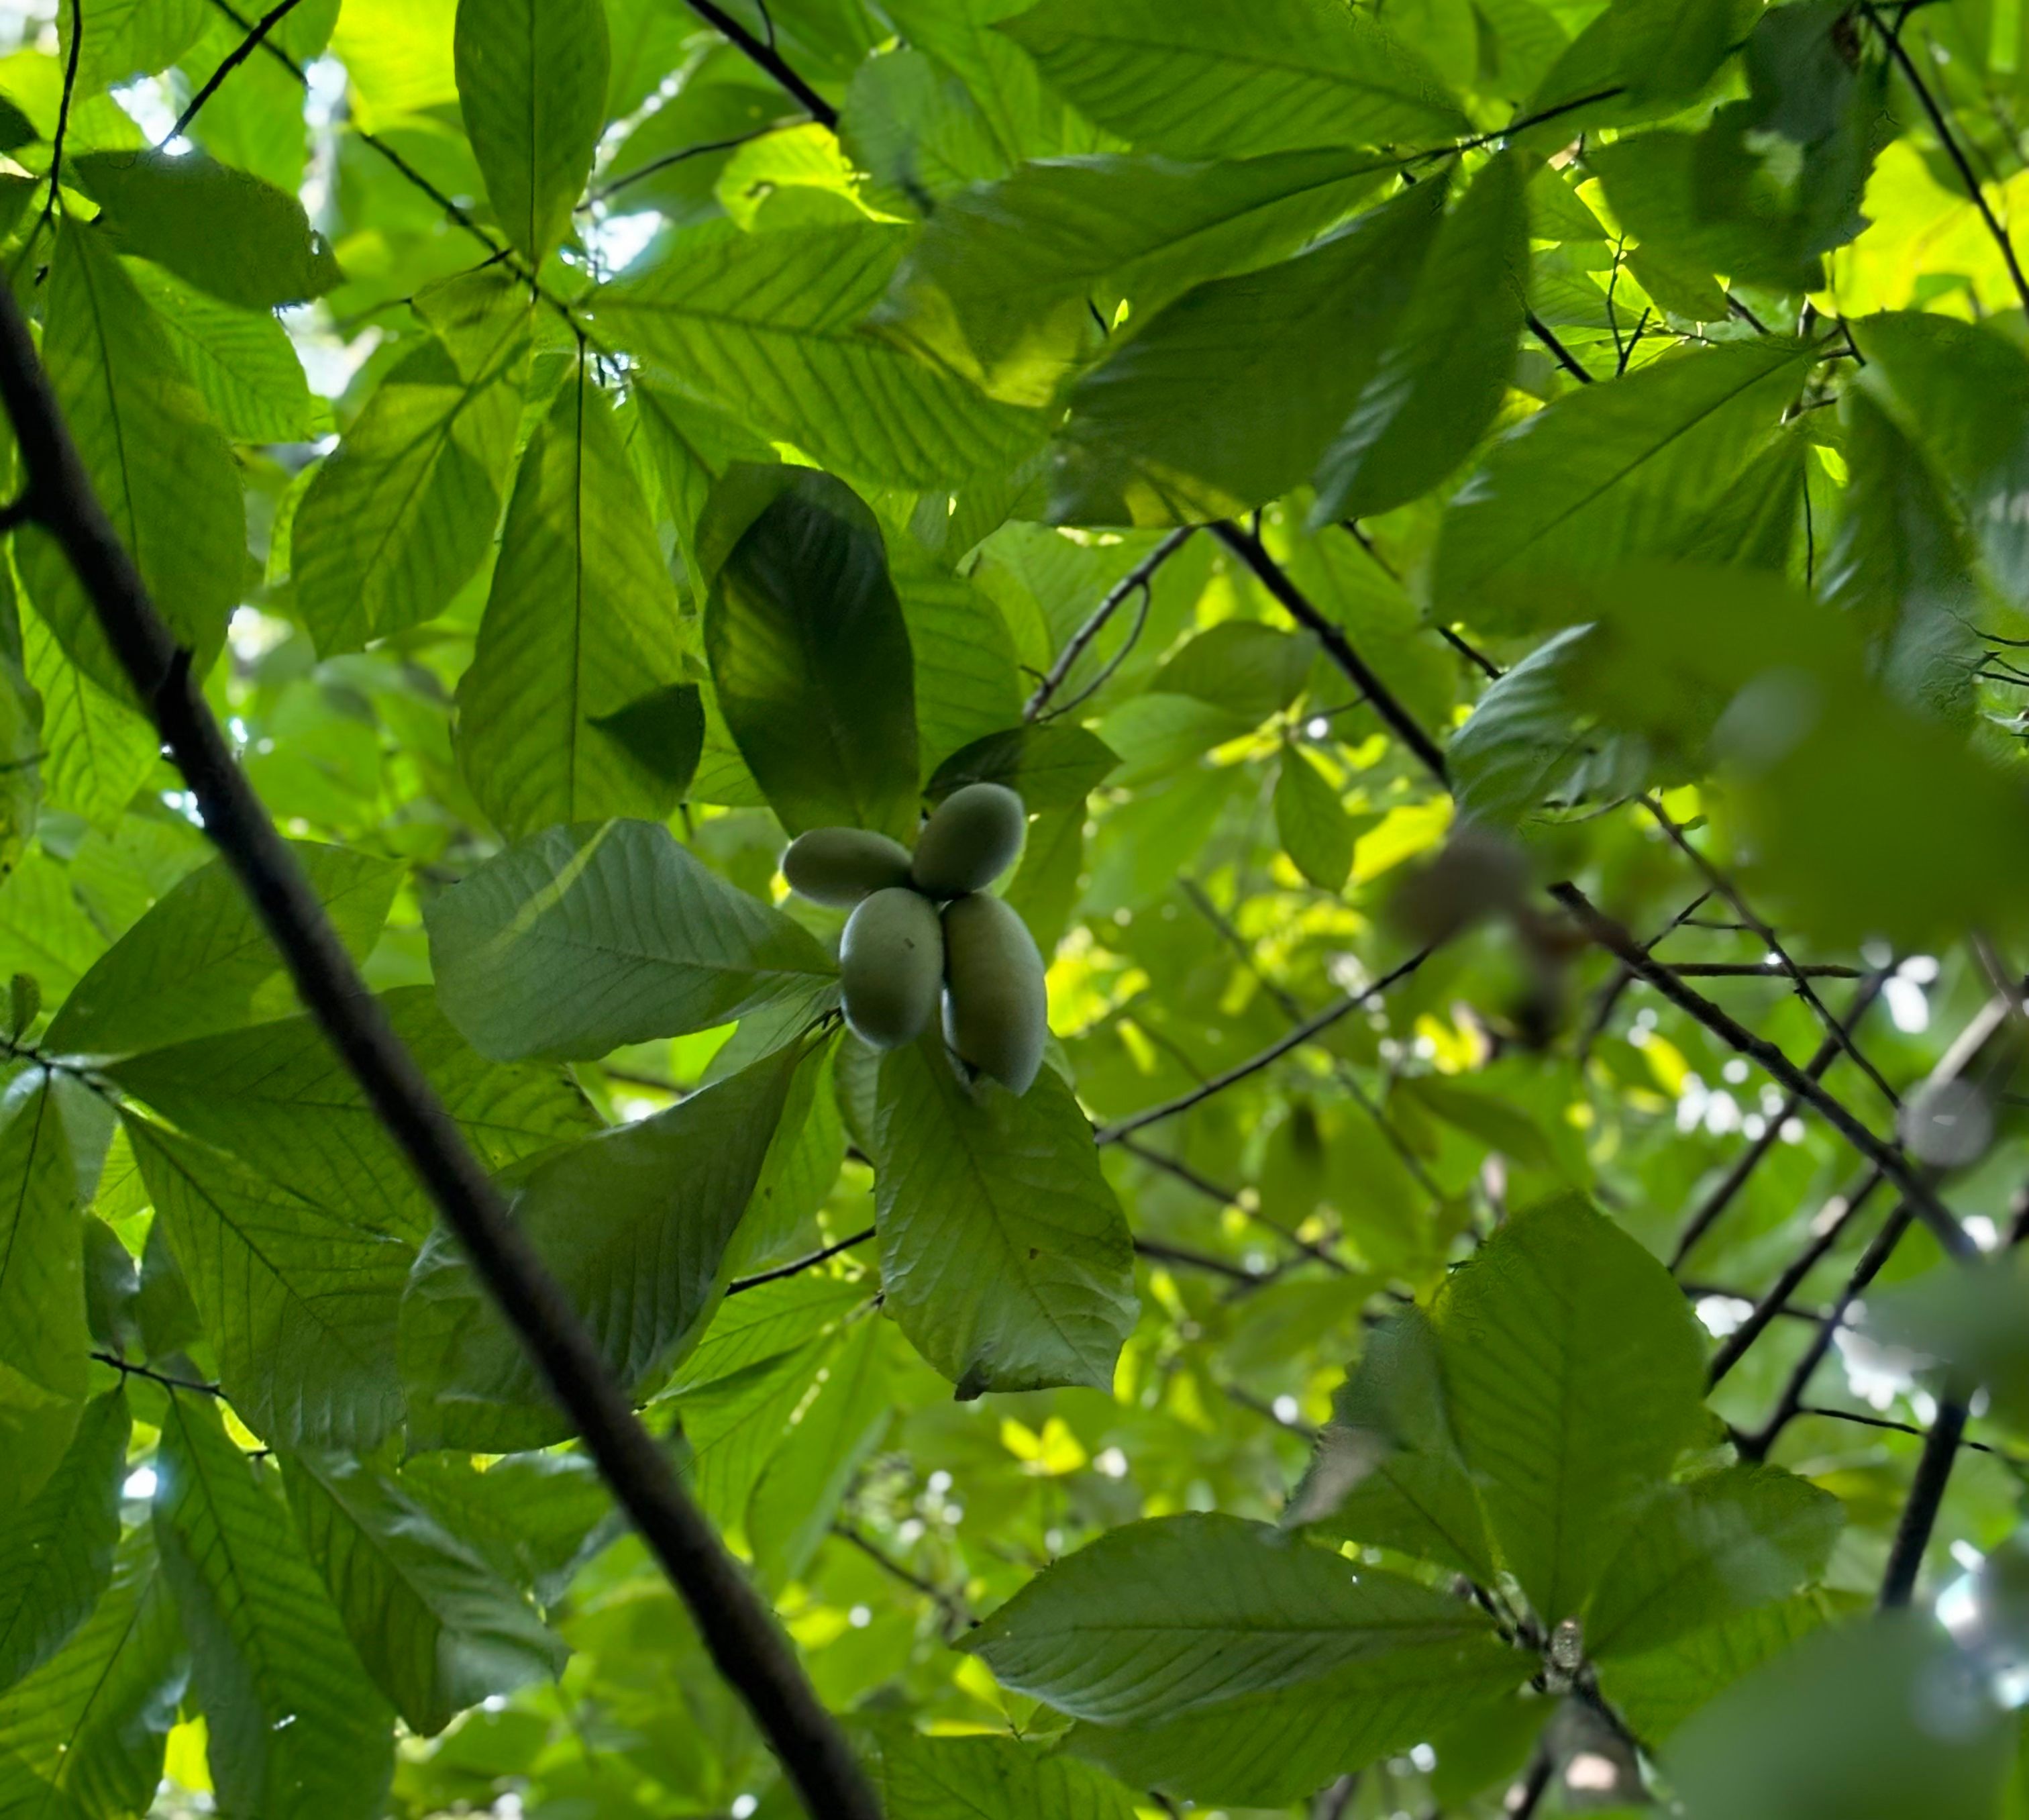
{"x": 534, "y": 1518}
{"x": 241, "y": 361}
{"x": 1004, "y": 1255}
{"x": 990, "y": 1778}
{"x": 1158, "y": 1617}
{"x": 129, "y": 38}
{"x": 1657, "y": 1691}
{"x": 56, "y": 1547}
{"x": 278, "y": 1097}
{"x": 1740, "y": 1537}
{"x": 1573, "y": 1368}
{"x": 634, "y": 1224}
{"x": 1227, "y": 397}
{"x": 999, "y": 286}
{"x": 1965, "y": 389}
{"x": 763, "y": 1323}
{"x": 1388, "y": 1469}
{"x": 1870, "y": 1721}
{"x": 404, "y": 510}
{"x": 1901, "y": 565}
{"x": 797, "y": 1497}
{"x": 662, "y": 732}
{"x": 161, "y": 470}
{"x": 1311, "y": 822}
{"x": 1637, "y": 59}
{"x": 43, "y": 929}
{"x": 532, "y": 80}
{"x": 582, "y": 617}
{"x": 294, "y": 1728}
{"x": 1439, "y": 385}
{"x": 434, "y": 1626}
{"x": 200, "y": 960}
{"x": 581, "y": 939}
{"x": 966, "y": 683}
{"x": 1227, "y": 79}
{"x": 811, "y": 654}
{"x": 227, "y": 233}
{"x": 691, "y": 447}
{"x": 1242, "y": 665}
{"x": 20, "y": 759}
{"x": 96, "y": 750}
{"x": 764, "y": 327}
{"x": 1055, "y": 765}
{"x": 1609, "y": 473}
{"x": 42, "y": 1333}
{"x": 1023, "y": 118}
{"x": 299, "y": 1299}
{"x": 1525, "y": 737}
{"x": 82, "y": 1737}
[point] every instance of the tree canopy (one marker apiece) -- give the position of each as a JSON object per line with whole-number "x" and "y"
{"x": 1488, "y": 537}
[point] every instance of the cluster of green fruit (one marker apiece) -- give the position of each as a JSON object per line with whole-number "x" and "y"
{"x": 922, "y": 924}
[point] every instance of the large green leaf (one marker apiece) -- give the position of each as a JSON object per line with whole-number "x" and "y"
{"x": 533, "y": 1518}
{"x": 241, "y": 360}
{"x": 634, "y": 1225}
{"x": 299, "y": 1299}
{"x": 991, "y": 1778}
{"x": 1004, "y": 1254}
{"x": 225, "y": 231}
{"x": 531, "y": 81}
{"x": 161, "y": 470}
{"x": 1055, "y": 765}
{"x": 1636, "y": 59}
{"x": 1227, "y": 397}
{"x": 1226, "y": 78}
{"x": 691, "y": 447}
{"x": 433, "y": 1624}
{"x": 200, "y": 960}
{"x": 294, "y": 1729}
{"x": 127, "y": 37}
{"x": 43, "y": 1334}
{"x": 583, "y": 938}
{"x": 95, "y": 749}
{"x": 278, "y": 1097}
{"x": 765, "y": 327}
{"x": 402, "y": 512}
{"x": 810, "y": 653}
{"x": 1609, "y": 473}
{"x": 56, "y": 1548}
{"x": 1657, "y": 1691}
{"x": 967, "y": 682}
{"x": 581, "y": 623}
{"x": 1439, "y": 385}
{"x": 82, "y": 1737}
{"x": 1744, "y": 1536}
{"x": 1311, "y": 822}
{"x": 999, "y": 287}
{"x": 1572, "y": 1366}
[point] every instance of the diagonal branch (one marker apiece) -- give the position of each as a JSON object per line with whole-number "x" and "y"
{"x": 236, "y": 56}
{"x": 746, "y": 1644}
{"x": 1926, "y": 1495}
{"x": 1136, "y": 579}
{"x": 764, "y": 54}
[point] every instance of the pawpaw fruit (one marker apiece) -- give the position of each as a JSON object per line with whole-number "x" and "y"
{"x": 890, "y": 962}
{"x": 971, "y": 838}
{"x": 840, "y": 866}
{"x": 995, "y": 1009}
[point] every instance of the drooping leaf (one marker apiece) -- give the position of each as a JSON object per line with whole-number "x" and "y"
{"x": 765, "y": 327}
{"x": 634, "y": 1224}
{"x": 293, "y": 1728}
{"x": 1054, "y": 766}
{"x": 227, "y": 233}
{"x": 1254, "y": 669}
{"x": 1316, "y": 830}
{"x": 1227, "y": 397}
{"x": 991, "y": 1778}
{"x": 1572, "y": 1368}
{"x": 581, "y": 939}
{"x": 298, "y": 1299}
{"x": 1658, "y": 1691}
{"x": 404, "y": 510}
{"x": 162, "y": 472}
{"x": 42, "y": 1333}
{"x": 811, "y": 655}
{"x": 531, "y": 82}
{"x": 581, "y": 622}
{"x": 1636, "y": 59}
{"x": 1229, "y": 79}
{"x": 240, "y": 360}
{"x": 56, "y": 1547}
{"x": 432, "y": 1623}
{"x": 1004, "y": 1255}
{"x": 200, "y": 961}
{"x": 966, "y": 684}
{"x": 124, "y": 38}
{"x": 95, "y": 750}
{"x": 535, "y": 1518}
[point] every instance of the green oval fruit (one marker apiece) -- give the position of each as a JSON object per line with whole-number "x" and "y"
{"x": 971, "y": 838}
{"x": 996, "y": 1011}
{"x": 890, "y": 959}
{"x": 840, "y": 866}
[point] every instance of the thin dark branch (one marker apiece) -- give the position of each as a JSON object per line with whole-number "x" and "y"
{"x": 1247, "y": 1400}
{"x": 1162, "y": 1251}
{"x": 797, "y": 1266}
{"x": 63, "y": 123}
{"x": 1926, "y": 1494}
{"x": 629, "y": 178}
{"x": 1611, "y": 936}
{"x": 1120, "y": 1128}
{"x": 739, "y": 1631}
{"x": 957, "y": 1615}
{"x": 1942, "y": 126}
{"x": 1565, "y": 358}
{"x": 238, "y": 55}
{"x": 1870, "y": 1421}
{"x": 1337, "y": 646}
{"x": 1145, "y": 604}
{"x": 1754, "y": 970}
{"x": 1183, "y": 1173}
{"x": 126, "y": 1369}
{"x": 767, "y": 58}
{"x": 1137, "y": 578}
{"x": 1746, "y": 314}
